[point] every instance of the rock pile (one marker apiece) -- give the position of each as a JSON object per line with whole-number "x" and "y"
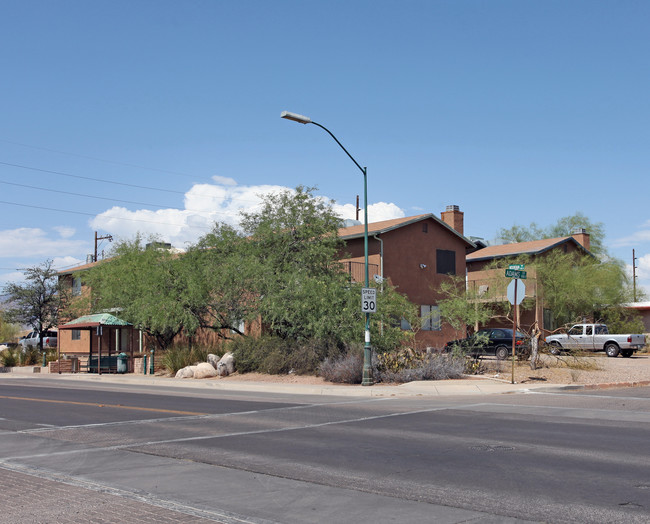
{"x": 214, "y": 367}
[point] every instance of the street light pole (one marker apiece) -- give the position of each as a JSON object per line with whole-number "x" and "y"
{"x": 367, "y": 348}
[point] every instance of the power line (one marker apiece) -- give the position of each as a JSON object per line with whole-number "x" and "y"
{"x": 107, "y": 182}
{"x": 92, "y": 178}
{"x": 95, "y": 215}
{"x": 104, "y": 160}
{"x": 82, "y": 195}
{"x": 38, "y": 188}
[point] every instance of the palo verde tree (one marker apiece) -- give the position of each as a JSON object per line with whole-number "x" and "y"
{"x": 302, "y": 291}
{"x": 220, "y": 271}
{"x": 147, "y": 287}
{"x": 37, "y": 300}
{"x": 564, "y": 227}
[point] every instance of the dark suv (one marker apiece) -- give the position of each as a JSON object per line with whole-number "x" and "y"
{"x": 491, "y": 341}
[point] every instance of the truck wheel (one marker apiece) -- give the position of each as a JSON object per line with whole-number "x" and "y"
{"x": 556, "y": 348}
{"x": 627, "y": 353}
{"x": 612, "y": 350}
{"x": 501, "y": 353}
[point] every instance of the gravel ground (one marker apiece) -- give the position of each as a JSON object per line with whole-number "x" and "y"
{"x": 594, "y": 368}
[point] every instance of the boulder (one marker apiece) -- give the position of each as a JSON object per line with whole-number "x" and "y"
{"x": 213, "y": 359}
{"x": 186, "y": 372}
{"x": 204, "y": 370}
{"x": 226, "y": 365}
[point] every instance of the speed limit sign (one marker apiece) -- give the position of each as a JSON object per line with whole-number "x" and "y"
{"x": 368, "y": 300}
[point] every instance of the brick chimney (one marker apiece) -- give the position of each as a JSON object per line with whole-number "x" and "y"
{"x": 453, "y": 217}
{"x": 581, "y": 236}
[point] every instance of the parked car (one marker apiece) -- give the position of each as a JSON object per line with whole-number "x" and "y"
{"x": 491, "y": 341}
{"x": 595, "y": 337}
{"x": 33, "y": 338}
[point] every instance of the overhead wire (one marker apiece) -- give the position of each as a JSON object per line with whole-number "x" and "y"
{"x": 107, "y": 216}
{"x": 178, "y": 173}
{"x": 38, "y": 188}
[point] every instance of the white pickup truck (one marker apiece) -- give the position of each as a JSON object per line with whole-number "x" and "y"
{"x": 595, "y": 337}
{"x": 33, "y": 339}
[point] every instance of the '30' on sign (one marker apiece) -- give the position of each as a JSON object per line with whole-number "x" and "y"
{"x": 368, "y": 300}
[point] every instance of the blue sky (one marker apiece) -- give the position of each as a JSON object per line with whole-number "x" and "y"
{"x": 163, "y": 116}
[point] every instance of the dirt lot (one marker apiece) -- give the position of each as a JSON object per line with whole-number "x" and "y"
{"x": 592, "y": 369}
{"x": 595, "y": 368}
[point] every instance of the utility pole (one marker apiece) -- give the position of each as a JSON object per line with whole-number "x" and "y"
{"x": 634, "y": 259}
{"x": 107, "y": 237}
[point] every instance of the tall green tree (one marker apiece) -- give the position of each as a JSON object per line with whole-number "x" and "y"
{"x": 220, "y": 271}
{"x": 36, "y": 301}
{"x": 146, "y": 286}
{"x": 562, "y": 228}
{"x": 302, "y": 290}
{"x": 576, "y": 286}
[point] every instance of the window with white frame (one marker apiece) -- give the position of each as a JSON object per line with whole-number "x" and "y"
{"x": 430, "y": 317}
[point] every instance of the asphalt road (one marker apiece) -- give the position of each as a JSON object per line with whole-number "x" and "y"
{"x": 173, "y": 455}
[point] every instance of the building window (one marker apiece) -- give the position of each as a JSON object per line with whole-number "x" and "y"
{"x": 430, "y": 317}
{"x": 76, "y": 286}
{"x": 405, "y": 325}
{"x": 445, "y": 262}
{"x": 76, "y": 334}
{"x": 425, "y": 227}
{"x": 549, "y": 321}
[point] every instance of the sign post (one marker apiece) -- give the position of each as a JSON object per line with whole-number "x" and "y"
{"x": 516, "y": 271}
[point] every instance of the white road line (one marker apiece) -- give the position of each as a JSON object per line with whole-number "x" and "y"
{"x": 184, "y": 418}
{"x": 235, "y": 434}
{"x": 582, "y": 395}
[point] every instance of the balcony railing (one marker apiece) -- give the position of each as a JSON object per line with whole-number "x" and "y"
{"x": 357, "y": 270}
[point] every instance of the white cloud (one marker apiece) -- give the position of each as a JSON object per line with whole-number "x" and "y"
{"x": 376, "y": 212}
{"x": 205, "y": 204}
{"x": 65, "y": 232}
{"x": 634, "y": 239}
{"x": 66, "y": 262}
{"x": 224, "y": 180}
{"x": 34, "y": 243}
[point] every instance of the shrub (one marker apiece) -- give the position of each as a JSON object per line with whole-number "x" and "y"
{"x": 429, "y": 367}
{"x": 9, "y": 357}
{"x": 31, "y": 355}
{"x": 178, "y": 357}
{"x": 275, "y": 355}
{"x": 345, "y": 369}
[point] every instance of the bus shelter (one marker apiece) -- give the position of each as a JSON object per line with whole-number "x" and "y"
{"x": 109, "y": 336}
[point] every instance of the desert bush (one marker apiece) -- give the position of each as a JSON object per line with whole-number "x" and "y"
{"x": 31, "y": 356}
{"x": 9, "y": 357}
{"x": 345, "y": 369}
{"x": 178, "y": 357}
{"x": 275, "y": 355}
{"x": 428, "y": 367}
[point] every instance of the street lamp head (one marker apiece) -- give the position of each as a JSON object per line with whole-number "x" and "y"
{"x": 295, "y": 117}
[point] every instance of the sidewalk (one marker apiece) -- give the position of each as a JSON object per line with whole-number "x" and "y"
{"x": 467, "y": 386}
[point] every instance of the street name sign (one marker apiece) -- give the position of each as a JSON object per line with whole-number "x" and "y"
{"x": 368, "y": 300}
{"x": 515, "y": 273}
{"x": 517, "y": 266}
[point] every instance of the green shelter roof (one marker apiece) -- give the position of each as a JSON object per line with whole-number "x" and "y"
{"x": 99, "y": 319}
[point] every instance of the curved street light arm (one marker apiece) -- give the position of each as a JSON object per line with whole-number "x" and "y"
{"x": 363, "y": 169}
